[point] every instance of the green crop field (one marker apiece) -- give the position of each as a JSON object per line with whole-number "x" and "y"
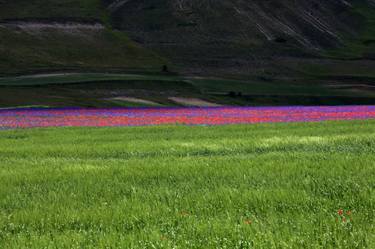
{"x": 300, "y": 185}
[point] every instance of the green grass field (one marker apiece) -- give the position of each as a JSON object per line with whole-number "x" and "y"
{"x": 244, "y": 186}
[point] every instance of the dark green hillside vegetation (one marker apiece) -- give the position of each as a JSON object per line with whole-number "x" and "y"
{"x": 43, "y": 36}
{"x": 270, "y": 186}
{"x": 42, "y": 47}
{"x": 103, "y": 90}
{"x": 362, "y": 45}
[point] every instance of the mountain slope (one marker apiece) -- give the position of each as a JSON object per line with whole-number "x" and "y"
{"x": 227, "y": 38}
{"x": 238, "y": 35}
{"x": 230, "y": 52}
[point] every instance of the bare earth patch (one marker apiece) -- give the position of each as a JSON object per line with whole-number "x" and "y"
{"x": 37, "y": 28}
{"x": 27, "y": 26}
{"x": 192, "y": 101}
{"x": 47, "y": 75}
{"x": 135, "y": 100}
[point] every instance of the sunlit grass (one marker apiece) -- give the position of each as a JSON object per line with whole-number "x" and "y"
{"x": 245, "y": 186}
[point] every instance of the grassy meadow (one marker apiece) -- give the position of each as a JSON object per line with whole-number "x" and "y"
{"x": 300, "y": 185}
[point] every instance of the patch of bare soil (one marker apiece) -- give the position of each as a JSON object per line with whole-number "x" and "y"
{"x": 192, "y": 102}
{"x": 135, "y": 100}
{"x": 47, "y": 75}
{"x": 51, "y": 25}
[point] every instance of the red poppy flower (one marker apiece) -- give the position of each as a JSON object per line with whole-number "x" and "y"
{"x": 340, "y": 212}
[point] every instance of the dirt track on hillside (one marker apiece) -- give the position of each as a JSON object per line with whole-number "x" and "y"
{"x": 39, "y": 26}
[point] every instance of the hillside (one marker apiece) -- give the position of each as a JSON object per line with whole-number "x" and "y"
{"x": 229, "y": 37}
{"x": 236, "y": 36}
{"x": 42, "y": 36}
{"x": 229, "y": 52}
{"x": 29, "y": 47}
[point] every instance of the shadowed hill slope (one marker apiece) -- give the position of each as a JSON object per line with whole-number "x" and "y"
{"x": 310, "y": 24}
{"x": 240, "y": 35}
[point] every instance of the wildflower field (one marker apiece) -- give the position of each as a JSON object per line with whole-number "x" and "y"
{"x": 274, "y": 185}
{"x": 99, "y": 117}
